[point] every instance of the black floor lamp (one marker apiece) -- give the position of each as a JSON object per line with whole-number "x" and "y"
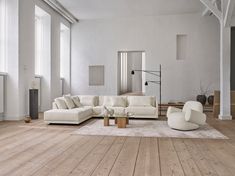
{"x": 158, "y": 74}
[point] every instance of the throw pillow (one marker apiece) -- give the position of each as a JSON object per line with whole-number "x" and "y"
{"x": 69, "y": 101}
{"x": 76, "y": 101}
{"x": 61, "y": 103}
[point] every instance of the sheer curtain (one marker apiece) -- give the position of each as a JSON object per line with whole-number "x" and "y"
{"x": 124, "y": 72}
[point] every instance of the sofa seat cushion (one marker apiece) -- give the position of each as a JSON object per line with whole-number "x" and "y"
{"x": 76, "y": 114}
{"x": 142, "y": 110}
{"x": 177, "y": 121}
{"x": 98, "y": 110}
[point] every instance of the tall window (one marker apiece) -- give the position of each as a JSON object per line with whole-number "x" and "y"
{"x": 64, "y": 50}
{"x": 65, "y": 58}
{"x": 3, "y": 43}
{"x": 38, "y": 44}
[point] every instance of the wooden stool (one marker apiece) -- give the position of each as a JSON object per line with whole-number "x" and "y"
{"x": 121, "y": 122}
{"x": 106, "y": 121}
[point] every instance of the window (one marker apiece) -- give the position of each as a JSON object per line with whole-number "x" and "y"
{"x": 64, "y": 50}
{"x": 38, "y": 44}
{"x": 65, "y": 58}
{"x": 3, "y": 30}
{"x": 42, "y": 40}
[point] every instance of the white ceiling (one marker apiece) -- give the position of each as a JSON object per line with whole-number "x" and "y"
{"x": 93, "y": 9}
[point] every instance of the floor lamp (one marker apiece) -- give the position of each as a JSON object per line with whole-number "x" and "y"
{"x": 158, "y": 74}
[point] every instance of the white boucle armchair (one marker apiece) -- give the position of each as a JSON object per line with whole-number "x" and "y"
{"x": 190, "y": 118}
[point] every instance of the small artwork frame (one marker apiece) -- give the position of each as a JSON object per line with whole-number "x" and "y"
{"x": 96, "y": 75}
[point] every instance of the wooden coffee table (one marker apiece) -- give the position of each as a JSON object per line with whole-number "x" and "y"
{"x": 121, "y": 121}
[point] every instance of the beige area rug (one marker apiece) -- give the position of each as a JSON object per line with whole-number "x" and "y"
{"x": 147, "y": 128}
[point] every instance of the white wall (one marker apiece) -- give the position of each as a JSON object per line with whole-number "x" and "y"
{"x": 98, "y": 41}
{"x": 21, "y": 57}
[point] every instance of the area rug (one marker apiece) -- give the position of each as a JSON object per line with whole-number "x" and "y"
{"x": 147, "y": 128}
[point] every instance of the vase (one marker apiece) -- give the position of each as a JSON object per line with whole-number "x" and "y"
{"x": 210, "y": 99}
{"x": 201, "y": 99}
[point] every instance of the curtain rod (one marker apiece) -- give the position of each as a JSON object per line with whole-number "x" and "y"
{"x": 61, "y": 10}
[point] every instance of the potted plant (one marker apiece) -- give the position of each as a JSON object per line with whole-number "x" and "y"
{"x": 202, "y": 96}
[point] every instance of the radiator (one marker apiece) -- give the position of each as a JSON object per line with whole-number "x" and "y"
{"x": 1, "y": 94}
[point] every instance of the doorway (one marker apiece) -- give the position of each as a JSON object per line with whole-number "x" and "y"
{"x": 131, "y": 84}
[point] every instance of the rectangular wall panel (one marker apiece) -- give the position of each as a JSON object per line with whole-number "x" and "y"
{"x": 181, "y": 47}
{"x": 1, "y": 94}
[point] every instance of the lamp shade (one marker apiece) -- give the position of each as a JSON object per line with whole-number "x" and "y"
{"x": 132, "y": 72}
{"x": 146, "y": 83}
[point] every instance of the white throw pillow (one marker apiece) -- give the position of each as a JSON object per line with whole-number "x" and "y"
{"x": 60, "y": 102}
{"x": 69, "y": 101}
{"x": 118, "y": 102}
{"x": 88, "y": 100}
{"x": 76, "y": 101}
{"x": 140, "y": 101}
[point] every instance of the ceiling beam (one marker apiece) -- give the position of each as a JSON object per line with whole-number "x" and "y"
{"x": 212, "y": 8}
{"x": 229, "y": 13}
{"x": 207, "y": 11}
{"x": 58, "y": 7}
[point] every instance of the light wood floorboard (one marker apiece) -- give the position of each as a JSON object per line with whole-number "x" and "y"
{"x": 41, "y": 150}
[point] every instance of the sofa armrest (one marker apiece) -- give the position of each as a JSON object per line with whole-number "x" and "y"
{"x": 195, "y": 117}
{"x": 171, "y": 110}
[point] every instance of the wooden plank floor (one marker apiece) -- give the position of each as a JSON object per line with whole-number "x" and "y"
{"x": 39, "y": 150}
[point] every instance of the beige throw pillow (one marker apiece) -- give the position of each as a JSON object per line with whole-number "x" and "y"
{"x": 69, "y": 101}
{"x": 76, "y": 101}
{"x": 61, "y": 103}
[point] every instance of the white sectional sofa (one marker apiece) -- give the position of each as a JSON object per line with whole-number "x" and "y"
{"x": 92, "y": 106}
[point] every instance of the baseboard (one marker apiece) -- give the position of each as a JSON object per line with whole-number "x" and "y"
{"x": 225, "y": 117}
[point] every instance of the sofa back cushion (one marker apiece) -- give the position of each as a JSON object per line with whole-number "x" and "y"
{"x": 141, "y": 101}
{"x": 88, "y": 100}
{"x": 119, "y": 101}
{"x": 60, "y": 102}
{"x": 113, "y": 101}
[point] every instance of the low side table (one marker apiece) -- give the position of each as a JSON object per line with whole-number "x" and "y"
{"x": 121, "y": 121}
{"x": 106, "y": 121}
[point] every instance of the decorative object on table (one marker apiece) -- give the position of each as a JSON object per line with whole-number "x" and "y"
{"x": 107, "y": 113}
{"x": 158, "y": 74}
{"x": 201, "y": 99}
{"x": 210, "y": 99}
{"x": 27, "y": 119}
{"x": 33, "y": 85}
{"x": 33, "y": 103}
{"x": 202, "y": 96}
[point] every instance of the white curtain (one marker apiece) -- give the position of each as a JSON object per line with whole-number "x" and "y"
{"x": 124, "y": 72}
